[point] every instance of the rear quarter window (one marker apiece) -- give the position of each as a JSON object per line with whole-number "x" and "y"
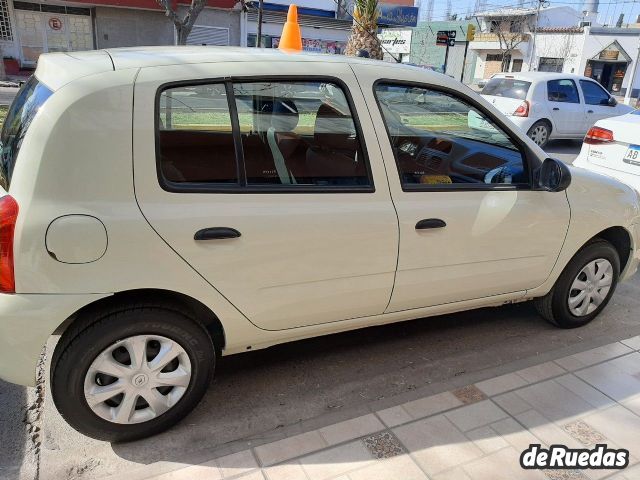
{"x": 507, "y": 87}
{"x": 21, "y": 113}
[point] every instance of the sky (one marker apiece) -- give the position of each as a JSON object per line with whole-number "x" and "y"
{"x": 609, "y": 10}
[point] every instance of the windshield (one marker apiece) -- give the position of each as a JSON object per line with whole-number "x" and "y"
{"x": 507, "y": 87}
{"x": 23, "y": 109}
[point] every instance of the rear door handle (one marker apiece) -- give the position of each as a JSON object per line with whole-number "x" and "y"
{"x": 430, "y": 223}
{"x": 556, "y": 109}
{"x": 216, "y": 233}
{"x": 589, "y": 111}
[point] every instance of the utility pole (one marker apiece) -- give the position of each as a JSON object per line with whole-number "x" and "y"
{"x": 535, "y": 34}
{"x": 629, "y": 92}
{"x": 260, "y": 11}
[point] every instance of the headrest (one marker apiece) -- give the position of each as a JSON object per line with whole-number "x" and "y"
{"x": 334, "y": 129}
{"x": 284, "y": 116}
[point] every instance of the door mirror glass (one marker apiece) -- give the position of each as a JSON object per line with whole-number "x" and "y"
{"x": 553, "y": 176}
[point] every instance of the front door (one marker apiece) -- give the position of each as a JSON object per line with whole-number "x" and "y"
{"x": 271, "y": 187}
{"x": 565, "y": 107}
{"x": 471, "y": 226}
{"x": 598, "y": 103}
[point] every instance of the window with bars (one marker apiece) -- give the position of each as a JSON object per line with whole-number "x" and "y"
{"x": 5, "y": 21}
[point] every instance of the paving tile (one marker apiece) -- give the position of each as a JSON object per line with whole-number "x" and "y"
{"x": 593, "y": 356}
{"x": 633, "y": 342}
{"x": 627, "y": 363}
{"x": 633, "y": 404}
{"x": 630, "y": 473}
{"x": 257, "y": 475}
{"x": 512, "y": 403}
{"x": 611, "y": 381}
{"x": 291, "y": 447}
{"x": 558, "y": 403}
{"x": 619, "y": 425}
{"x": 383, "y": 445}
{"x": 204, "y": 471}
{"x": 547, "y": 431}
{"x": 501, "y": 384}
{"x": 336, "y": 461}
{"x": 475, "y": 415}
{"x": 486, "y": 439}
{"x": 286, "y": 471}
{"x": 350, "y": 429}
{"x": 454, "y": 474}
{"x": 236, "y": 463}
{"x": 501, "y": 465}
{"x": 537, "y": 373}
{"x": 401, "y": 467}
{"x": 585, "y": 391}
{"x": 584, "y": 433}
{"x": 469, "y": 394}
{"x": 425, "y": 407}
{"x": 565, "y": 475}
{"x": 394, "y": 416}
{"x": 436, "y": 444}
{"x": 514, "y": 434}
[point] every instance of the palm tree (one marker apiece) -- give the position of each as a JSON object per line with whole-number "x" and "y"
{"x": 364, "y": 29}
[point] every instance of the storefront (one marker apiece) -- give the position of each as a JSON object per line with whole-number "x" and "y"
{"x": 609, "y": 67}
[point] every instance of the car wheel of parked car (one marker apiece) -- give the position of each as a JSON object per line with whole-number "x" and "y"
{"x": 132, "y": 373}
{"x": 584, "y": 288}
{"x": 539, "y": 133}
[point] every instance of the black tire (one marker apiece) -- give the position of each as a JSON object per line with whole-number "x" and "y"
{"x": 554, "y": 306}
{"x": 539, "y": 125}
{"x": 76, "y": 352}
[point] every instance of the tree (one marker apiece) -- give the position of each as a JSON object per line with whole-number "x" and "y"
{"x": 364, "y": 31}
{"x": 185, "y": 24}
{"x": 511, "y": 32}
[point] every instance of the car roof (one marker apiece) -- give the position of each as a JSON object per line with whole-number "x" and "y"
{"x": 540, "y": 76}
{"x": 58, "y": 69}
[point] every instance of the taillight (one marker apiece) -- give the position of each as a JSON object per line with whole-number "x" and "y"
{"x": 8, "y": 217}
{"x": 522, "y": 110}
{"x": 598, "y": 136}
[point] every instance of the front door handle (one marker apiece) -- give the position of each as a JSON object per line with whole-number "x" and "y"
{"x": 430, "y": 223}
{"x": 556, "y": 109}
{"x": 216, "y": 233}
{"x": 589, "y": 111}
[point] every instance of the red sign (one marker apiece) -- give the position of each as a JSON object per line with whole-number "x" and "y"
{"x": 55, "y": 23}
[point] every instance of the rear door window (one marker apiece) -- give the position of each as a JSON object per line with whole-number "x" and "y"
{"x": 507, "y": 87}
{"x": 22, "y": 112}
{"x": 564, "y": 91}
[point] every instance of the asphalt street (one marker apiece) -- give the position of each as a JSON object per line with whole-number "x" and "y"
{"x": 282, "y": 386}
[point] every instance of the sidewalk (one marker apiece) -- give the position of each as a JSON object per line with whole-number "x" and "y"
{"x": 470, "y": 433}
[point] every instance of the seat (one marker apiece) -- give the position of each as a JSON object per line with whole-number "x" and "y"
{"x": 283, "y": 141}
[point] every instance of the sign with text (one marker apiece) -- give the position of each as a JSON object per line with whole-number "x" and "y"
{"x": 396, "y": 41}
{"x": 446, "y": 37}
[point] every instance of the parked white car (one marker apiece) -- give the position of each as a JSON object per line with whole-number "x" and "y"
{"x": 162, "y": 206}
{"x": 612, "y": 147}
{"x": 551, "y": 106}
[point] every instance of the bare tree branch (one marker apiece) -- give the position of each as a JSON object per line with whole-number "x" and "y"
{"x": 183, "y": 25}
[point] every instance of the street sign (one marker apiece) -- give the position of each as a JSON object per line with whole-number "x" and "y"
{"x": 446, "y": 37}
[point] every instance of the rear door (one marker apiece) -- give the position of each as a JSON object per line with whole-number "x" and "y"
{"x": 566, "y": 109}
{"x": 270, "y": 185}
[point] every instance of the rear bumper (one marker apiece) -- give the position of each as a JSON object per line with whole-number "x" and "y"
{"x": 26, "y": 322}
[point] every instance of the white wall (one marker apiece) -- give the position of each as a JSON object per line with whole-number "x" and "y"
{"x": 561, "y": 45}
{"x": 559, "y": 17}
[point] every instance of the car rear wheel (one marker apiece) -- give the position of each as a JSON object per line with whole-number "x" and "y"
{"x": 132, "y": 374}
{"x": 539, "y": 133}
{"x": 584, "y": 288}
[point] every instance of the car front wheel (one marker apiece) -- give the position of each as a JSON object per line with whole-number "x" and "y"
{"x": 132, "y": 374}
{"x": 584, "y": 288}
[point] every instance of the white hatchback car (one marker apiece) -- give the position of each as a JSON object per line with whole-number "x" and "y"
{"x": 612, "y": 147}
{"x": 162, "y": 206}
{"x": 551, "y": 106}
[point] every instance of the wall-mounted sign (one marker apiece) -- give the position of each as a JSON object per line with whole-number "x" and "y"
{"x": 609, "y": 55}
{"x": 396, "y": 41}
{"x": 446, "y": 37}
{"x": 400, "y": 16}
{"x": 55, "y": 24}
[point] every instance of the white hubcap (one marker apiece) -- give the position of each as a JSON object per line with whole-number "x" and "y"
{"x": 539, "y": 135}
{"x": 137, "y": 379}
{"x": 591, "y": 287}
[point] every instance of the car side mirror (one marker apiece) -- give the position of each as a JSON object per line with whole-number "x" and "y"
{"x": 612, "y": 102}
{"x": 553, "y": 176}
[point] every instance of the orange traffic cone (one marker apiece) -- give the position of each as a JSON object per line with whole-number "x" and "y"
{"x": 291, "y": 38}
